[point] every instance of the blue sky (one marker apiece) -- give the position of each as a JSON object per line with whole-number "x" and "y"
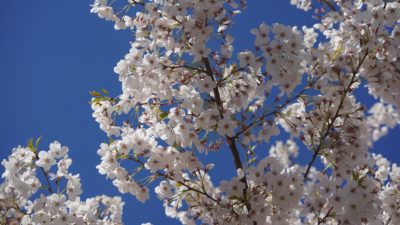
{"x": 52, "y": 53}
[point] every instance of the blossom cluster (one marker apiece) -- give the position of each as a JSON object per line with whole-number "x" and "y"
{"x": 186, "y": 92}
{"x": 33, "y": 194}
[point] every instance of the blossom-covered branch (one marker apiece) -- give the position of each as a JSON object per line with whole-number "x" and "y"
{"x": 187, "y": 94}
{"x": 25, "y": 200}
{"x": 213, "y": 99}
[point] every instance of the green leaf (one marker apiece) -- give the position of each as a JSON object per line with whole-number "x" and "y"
{"x": 233, "y": 197}
{"x": 31, "y": 146}
{"x": 163, "y": 115}
{"x": 123, "y": 156}
{"x": 38, "y": 142}
{"x": 252, "y": 160}
{"x": 43, "y": 187}
{"x": 95, "y": 94}
{"x": 105, "y": 91}
{"x": 356, "y": 176}
{"x": 337, "y": 51}
{"x": 177, "y": 146}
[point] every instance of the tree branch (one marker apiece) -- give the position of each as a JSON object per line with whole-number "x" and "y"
{"x": 330, "y": 5}
{"x": 262, "y": 117}
{"x": 321, "y": 221}
{"x": 217, "y": 96}
{"x": 330, "y": 124}
{"x": 45, "y": 174}
{"x": 230, "y": 140}
{"x": 166, "y": 176}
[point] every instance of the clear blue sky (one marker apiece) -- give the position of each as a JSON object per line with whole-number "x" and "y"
{"x": 52, "y": 53}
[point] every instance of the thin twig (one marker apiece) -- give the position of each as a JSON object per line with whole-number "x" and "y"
{"x": 330, "y": 5}
{"x": 320, "y": 221}
{"x": 46, "y": 176}
{"x": 330, "y": 125}
{"x": 166, "y": 176}
{"x": 273, "y": 112}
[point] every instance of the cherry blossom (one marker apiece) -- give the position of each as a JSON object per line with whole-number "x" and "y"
{"x": 32, "y": 195}
{"x": 187, "y": 94}
{"x": 193, "y": 95}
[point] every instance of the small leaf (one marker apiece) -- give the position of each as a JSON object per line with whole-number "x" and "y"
{"x": 123, "y": 156}
{"x": 31, "y": 145}
{"x": 252, "y": 160}
{"x": 233, "y": 197}
{"x": 177, "y": 146}
{"x": 38, "y": 142}
{"x": 337, "y": 51}
{"x": 105, "y": 91}
{"x": 356, "y": 176}
{"x": 43, "y": 187}
{"x": 163, "y": 115}
{"x": 95, "y": 94}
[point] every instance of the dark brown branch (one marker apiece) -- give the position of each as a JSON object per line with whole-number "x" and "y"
{"x": 217, "y": 96}
{"x": 231, "y": 141}
{"x": 184, "y": 66}
{"x": 235, "y": 153}
{"x": 138, "y": 3}
{"x": 330, "y": 5}
{"x": 323, "y": 220}
{"x": 389, "y": 220}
